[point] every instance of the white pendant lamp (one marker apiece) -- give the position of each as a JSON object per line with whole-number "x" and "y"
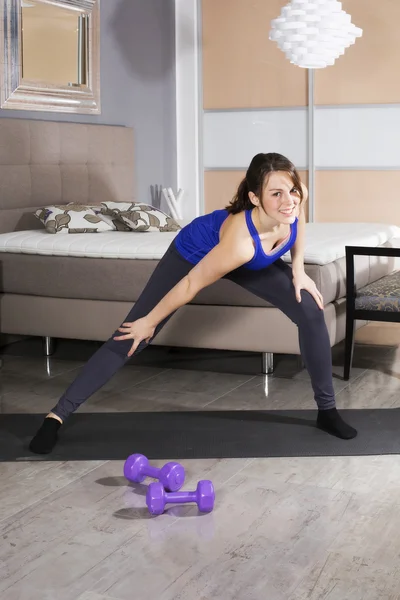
{"x": 313, "y": 33}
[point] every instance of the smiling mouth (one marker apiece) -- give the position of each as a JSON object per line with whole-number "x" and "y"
{"x": 287, "y": 212}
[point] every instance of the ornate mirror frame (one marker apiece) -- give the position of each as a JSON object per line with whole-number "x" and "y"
{"x": 21, "y": 94}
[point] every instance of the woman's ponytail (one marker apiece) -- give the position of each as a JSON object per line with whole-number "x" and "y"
{"x": 241, "y": 200}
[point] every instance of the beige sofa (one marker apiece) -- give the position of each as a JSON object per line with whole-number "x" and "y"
{"x": 44, "y": 163}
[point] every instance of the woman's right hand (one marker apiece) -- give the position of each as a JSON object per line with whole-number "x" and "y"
{"x": 138, "y": 330}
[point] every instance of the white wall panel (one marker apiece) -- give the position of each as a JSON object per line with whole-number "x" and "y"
{"x": 232, "y": 138}
{"x": 351, "y": 137}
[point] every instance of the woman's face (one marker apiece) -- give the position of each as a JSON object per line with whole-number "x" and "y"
{"x": 280, "y": 198}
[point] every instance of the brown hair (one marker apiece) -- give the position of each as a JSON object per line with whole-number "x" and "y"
{"x": 261, "y": 167}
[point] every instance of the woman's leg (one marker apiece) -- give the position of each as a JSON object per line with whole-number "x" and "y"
{"x": 275, "y": 285}
{"x": 112, "y": 355}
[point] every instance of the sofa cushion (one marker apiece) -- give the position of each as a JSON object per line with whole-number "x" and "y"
{"x": 138, "y": 217}
{"x": 382, "y": 295}
{"x": 72, "y": 218}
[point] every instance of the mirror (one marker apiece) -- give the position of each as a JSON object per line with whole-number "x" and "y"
{"x": 50, "y": 55}
{"x": 51, "y": 45}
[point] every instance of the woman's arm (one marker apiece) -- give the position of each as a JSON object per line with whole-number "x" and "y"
{"x": 228, "y": 255}
{"x": 222, "y": 259}
{"x": 301, "y": 280}
{"x": 297, "y": 250}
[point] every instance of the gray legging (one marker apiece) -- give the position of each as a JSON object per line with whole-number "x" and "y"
{"x": 274, "y": 284}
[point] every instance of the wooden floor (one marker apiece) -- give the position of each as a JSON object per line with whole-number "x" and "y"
{"x": 282, "y": 529}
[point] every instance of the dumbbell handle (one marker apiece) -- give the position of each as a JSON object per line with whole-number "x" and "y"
{"x": 151, "y": 471}
{"x": 180, "y": 497}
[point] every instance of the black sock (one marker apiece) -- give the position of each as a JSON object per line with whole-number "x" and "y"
{"x": 46, "y": 436}
{"x": 331, "y": 422}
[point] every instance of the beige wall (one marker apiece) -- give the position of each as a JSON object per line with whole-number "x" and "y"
{"x": 243, "y": 69}
{"x": 364, "y": 196}
{"x": 368, "y": 71}
{"x": 366, "y": 74}
{"x": 220, "y": 187}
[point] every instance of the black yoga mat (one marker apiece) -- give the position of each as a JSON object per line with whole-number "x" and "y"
{"x": 211, "y": 434}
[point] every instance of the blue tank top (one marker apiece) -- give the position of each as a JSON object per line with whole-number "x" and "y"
{"x": 196, "y": 239}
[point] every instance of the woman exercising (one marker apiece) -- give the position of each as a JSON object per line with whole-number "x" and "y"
{"x": 243, "y": 243}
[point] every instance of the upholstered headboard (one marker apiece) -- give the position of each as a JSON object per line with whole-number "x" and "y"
{"x": 45, "y": 162}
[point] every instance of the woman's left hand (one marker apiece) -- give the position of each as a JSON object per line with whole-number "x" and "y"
{"x": 302, "y": 281}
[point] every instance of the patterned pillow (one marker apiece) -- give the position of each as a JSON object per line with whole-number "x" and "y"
{"x": 130, "y": 216}
{"x": 72, "y": 218}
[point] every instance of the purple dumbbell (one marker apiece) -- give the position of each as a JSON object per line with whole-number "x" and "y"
{"x": 157, "y": 497}
{"x": 171, "y": 476}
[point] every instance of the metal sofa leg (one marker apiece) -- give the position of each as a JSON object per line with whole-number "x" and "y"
{"x": 49, "y": 346}
{"x": 267, "y": 363}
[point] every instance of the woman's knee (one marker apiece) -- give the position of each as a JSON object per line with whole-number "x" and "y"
{"x": 120, "y": 347}
{"x": 309, "y": 309}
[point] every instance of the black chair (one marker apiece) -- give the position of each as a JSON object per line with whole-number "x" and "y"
{"x": 377, "y": 301}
